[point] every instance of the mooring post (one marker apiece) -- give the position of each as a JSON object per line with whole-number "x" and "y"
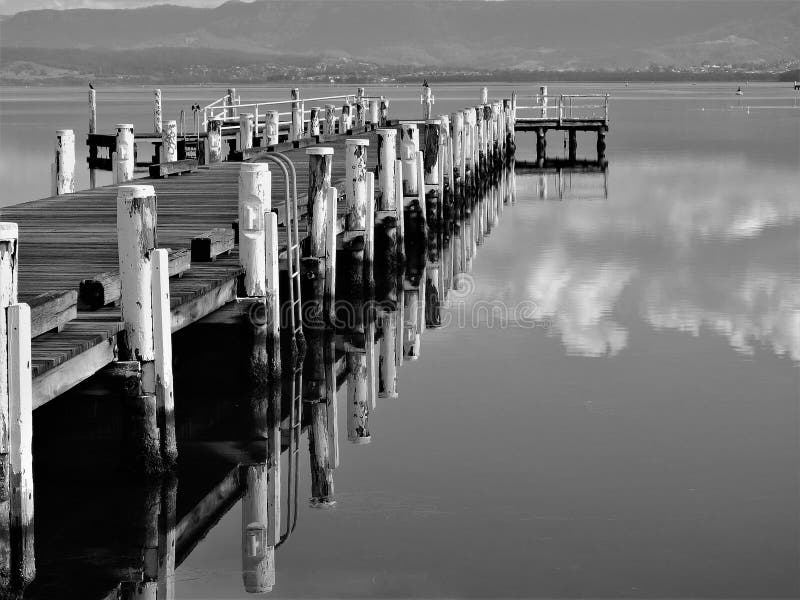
{"x": 125, "y": 155}
{"x": 244, "y": 140}
{"x": 543, "y": 100}
{"x": 601, "y": 145}
{"x": 230, "y": 111}
{"x": 484, "y": 95}
{"x": 427, "y": 102}
{"x": 387, "y": 154}
{"x": 573, "y": 145}
{"x": 355, "y": 168}
{"x": 384, "y": 119}
{"x": 480, "y": 142}
{"x": 432, "y": 144}
{"x": 258, "y": 551}
{"x": 469, "y": 143}
{"x": 136, "y": 227}
{"x": 213, "y": 141}
{"x": 320, "y": 161}
{"x": 296, "y": 129}
{"x": 345, "y": 119}
{"x": 169, "y": 142}
{"x": 271, "y": 128}
{"x": 374, "y": 113}
{"x": 64, "y": 165}
{"x": 258, "y": 254}
{"x": 313, "y": 121}
{"x": 361, "y": 113}
{"x": 20, "y": 444}
{"x": 157, "y": 111}
{"x": 330, "y": 119}
{"x": 162, "y": 346}
{"x": 409, "y": 146}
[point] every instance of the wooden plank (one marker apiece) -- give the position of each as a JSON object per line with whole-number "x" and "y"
{"x": 52, "y": 310}
{"x": 199, "y": 307}
{"x": 187, "y": 165}
{"x": 210, "y": 244}
{"x": 70, "y": 373}
{"x": 104, "y": 289}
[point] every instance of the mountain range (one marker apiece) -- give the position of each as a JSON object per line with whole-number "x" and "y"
{"x": 511, "y": 34}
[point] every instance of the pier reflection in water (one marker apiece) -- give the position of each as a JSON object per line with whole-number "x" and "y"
{"x": 240, "y": 439}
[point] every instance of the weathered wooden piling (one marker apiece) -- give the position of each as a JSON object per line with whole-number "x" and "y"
{"x": 409, "y": 146}
{"x": 573, "y": 145}
{"x": 543, "y": 100}
{"x": 213, "y": 147}
{"x": 374, "y": 113}
{"x": 319, "y": 262}
{"x": 361, "y": 109}
{"x": 484, "y": 95}
{"x": 124, "y": 161}
{"x": 387, "y": 154}
{"x": 64, "y": 165}
{"x": 169, "y": 142}
{"x": 20, "y": 444}
{"x": 244, "y": 141}
{"x": 330, "y": 119}
{"x": 271, "y": 128}
{"x": 157, "y": 124}
{"x": 296, "y": 129}
{"x": 384, "y": 117}
{"x": 9, "y": 238}
{"x": 346, "y": 119}
{"x": 258, "y": 551}
{"x": 313, "y": 121}
{"x": 136, "y": 226}
{"x": 230, "y": 104}
{"x": 427, "y": 102}
{"x": 387, "y": 362}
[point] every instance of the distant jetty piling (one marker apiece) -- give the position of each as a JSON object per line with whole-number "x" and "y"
{"x": 365, "y": 216}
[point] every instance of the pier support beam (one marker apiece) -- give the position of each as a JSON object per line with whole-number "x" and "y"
{"x": 313, "y": 121}
{"x": 230, "y": 104}
{"x": 330, "y": 119}
{"x": 361, "y": 109}
{"x": 427, "y": 102}
{"x": 296, "y": 129}
{"x": 601, "y": 145}
{"x": 64, "y": 166}
{"x": 409, "y": 146}
{"x": 384, "y": 111}
{"x": 346, "y": 119}
{"x": 573, "y": 145}
{"x": 321, "y": 250}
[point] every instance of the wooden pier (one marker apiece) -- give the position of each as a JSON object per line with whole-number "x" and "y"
{"x": 572, "y": 113}
{"x": 98, "y": 281}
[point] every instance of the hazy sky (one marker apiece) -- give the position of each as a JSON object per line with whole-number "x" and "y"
{"x": 13, "y": 6}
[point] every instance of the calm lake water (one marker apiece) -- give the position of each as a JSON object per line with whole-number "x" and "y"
{"x": 639, "y": 439}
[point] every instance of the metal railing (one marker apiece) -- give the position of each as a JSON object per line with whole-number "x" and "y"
{"x": 568, "y": 107}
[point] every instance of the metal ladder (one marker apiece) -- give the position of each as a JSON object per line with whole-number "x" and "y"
{"x": 296, "y": 325}
{"x": 293, "y": 250}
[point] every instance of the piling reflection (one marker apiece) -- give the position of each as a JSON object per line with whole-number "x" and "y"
{"x": 246, "y": 430}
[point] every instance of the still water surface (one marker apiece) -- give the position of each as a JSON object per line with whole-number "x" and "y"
{"x": 640, "y": 439}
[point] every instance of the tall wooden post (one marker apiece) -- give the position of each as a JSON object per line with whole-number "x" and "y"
{"x": 427, "y": 102}
{"x": 346, "y": 119}
{"x": 230, "y": 112}
{"x": 313, "y": 122}
{"x": 169, "y": 142}
{"x": 384, "y": 118}
{"x": 9, "y": 238}
{"x": 361, "y": 111}
{"x": 296, "y": 129}
{"x": 330, "y": 119}
{"x": 355, "y": 168}
{"x": 244, "y": 140}
{"x": 543, "y": 100}
{"x": 92, "y": 129}
{"x": 484, "y": 95}
{"x": 255, "y": 194}
{"x": 320, "y": 162}
{"x": 64, "y": 166}
{"x": 409, "y": 146}
{"x": 125, "y": 156}
{"x": 213, "y": 141}
{"x": 271, "y": 128}
{"x": 573, "y": 145}
{"x": 20, "y": 443}
{"x": 157, "y": 125}
{"x": 136, "y": 227}
{"x": 387, "y": 154}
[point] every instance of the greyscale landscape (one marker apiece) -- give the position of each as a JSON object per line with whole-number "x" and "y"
{"x": 399, "y": 299}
